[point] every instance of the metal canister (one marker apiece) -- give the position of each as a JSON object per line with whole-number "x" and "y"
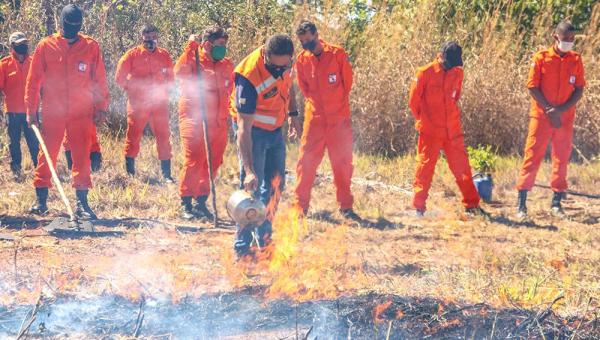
{"x": 246, "y": 210}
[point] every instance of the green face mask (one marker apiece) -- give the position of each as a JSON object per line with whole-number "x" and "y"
{"x": 218, "y": 52}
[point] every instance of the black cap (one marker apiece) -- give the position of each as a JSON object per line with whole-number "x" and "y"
{"x": 72, "y": 14}
{"x": 452, "y": 53}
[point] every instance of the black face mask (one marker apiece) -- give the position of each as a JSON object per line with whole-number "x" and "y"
{"x": 276, "y": 71}
{"x": 150, "y": 44}
{"x": 21, "y": 49}
{"x": 451, "y": 61}
{"x": 70, "y": 30}
{"x": 310, "y": 45}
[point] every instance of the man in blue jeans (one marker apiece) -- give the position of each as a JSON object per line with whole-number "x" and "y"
{"x": 261, "y": 102}
{"x": 13, "y": 73}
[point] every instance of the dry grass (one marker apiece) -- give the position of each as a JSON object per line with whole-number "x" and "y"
{"x": 497, "y": 56}
{"x": 443, "y": 256}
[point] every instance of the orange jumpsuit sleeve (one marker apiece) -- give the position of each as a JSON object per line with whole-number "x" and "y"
{"x": 2, "y": 76}
{"x": 346, "y": 72}
{"x": 186, "y": 64}
{"x": 535, "y": 73}
{"x": 123, "y": 71}
{"x": 101, "y": 94}
{"x": 580, "y": 80}
{"x": 170, "y": 74}
{"x": 35, "y": 79}
{"x": 2, "y": 84}
{"x": 459, "y": 83}
{"x": 301, "y": 80}
{"x": 417, "y": 89}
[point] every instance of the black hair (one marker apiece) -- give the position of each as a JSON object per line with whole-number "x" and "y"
{"x": 148, "y": 28}
{"x": 213, "y": 33}
{"x": 564, "y": 27}
{"x": 71, "y": 13}
{"x": 279, "y": 44}
{"x": 305, "y": 27}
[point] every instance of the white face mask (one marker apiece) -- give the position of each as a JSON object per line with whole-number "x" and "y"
{"x": 565, "y": 46}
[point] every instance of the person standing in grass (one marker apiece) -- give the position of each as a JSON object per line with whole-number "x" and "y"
{"x": 214, "y": 84}
{"x": 145, "y": 73}
{"x": 324, "y": 76}
{"x": 69, "y": 67}
{"x": 434, "y": 97}
{"x": 262, "y": 100}
{"x": 13, "y": 74}
{"x": 555, "y": 83}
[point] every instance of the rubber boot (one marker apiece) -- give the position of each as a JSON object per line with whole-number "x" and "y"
{"x": 477, "y": 212}
{"x": 69, "y": 159}
{"x": 243, "y": 240}
{"x": 96, "y": 161}
{"x": 350, "y": 215}
{"x": 522, "y": 204}
{"x": 40, "y": 208}
{"x": 130, "y": 165}
{"x": 201, "y": 210}
{"x": 83, "y": 210}
{"x": 165, "y": 167}
{"x": 557, "y": 209}
{"x": 187, "y": 211}
{"x": 17, "y": 173}
{"x": 264, "y": 233}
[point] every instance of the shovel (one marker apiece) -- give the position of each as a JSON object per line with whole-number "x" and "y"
{"x": 60, "y": 223}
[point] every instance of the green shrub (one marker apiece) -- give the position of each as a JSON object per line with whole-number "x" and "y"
{"x": 482, "y": 158}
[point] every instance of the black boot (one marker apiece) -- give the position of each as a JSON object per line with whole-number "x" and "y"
{"x": 40, "y": 208}
{"x": 96, "y": 160}
{"x": 187, "y": 211}
{"x": 130, "y": 165}
{"x": 201, "y": 210}
{"x": 557, "y": 209}
{"x": 69, "y": 159}
{"x": 17, "y": 173}
{"x": 522, "y": 204}
{"x": 165, "y": 167}
{"x": 478, "y": 212}
{"x": 83, "y": 210}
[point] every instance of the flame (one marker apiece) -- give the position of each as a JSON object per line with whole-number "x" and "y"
{"x": 302, "y": 263}
{"x": 378, "y": 318}
{"x": 297, "y": 268}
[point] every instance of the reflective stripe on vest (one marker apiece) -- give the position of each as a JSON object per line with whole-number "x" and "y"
{"x": 265, "y": 119}
{"x": 265, "y": 85}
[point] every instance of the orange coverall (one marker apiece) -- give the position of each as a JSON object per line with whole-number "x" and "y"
{"x": 95, "y": 146}
{"x": 217, "y": 84}
{"x": 147, "y": 78}
{"x": 325, "y": 82}
{"x": 556, "y": 77}
{"x": 74, "y": 81}
{"x": 13, "y": 75}
{"x": 433, "y": 101}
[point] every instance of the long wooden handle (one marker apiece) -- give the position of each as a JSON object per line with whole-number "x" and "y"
{"x": 53, "y": 171}
{"x": 203, "y": 115}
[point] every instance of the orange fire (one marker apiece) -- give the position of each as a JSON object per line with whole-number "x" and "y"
{"x": 299, "y": 264}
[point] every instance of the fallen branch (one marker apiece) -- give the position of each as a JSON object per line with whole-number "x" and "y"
{"x": 308, "y": 333}
{"x": 140, "y": 319}
{"x": 26, "y": 324}
{"x": 17, "y": 244}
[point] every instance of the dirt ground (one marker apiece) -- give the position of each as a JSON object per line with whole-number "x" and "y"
{"x": 142, "y": 248}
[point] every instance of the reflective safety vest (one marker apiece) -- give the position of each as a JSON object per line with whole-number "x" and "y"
{"x": 273, "y": 94}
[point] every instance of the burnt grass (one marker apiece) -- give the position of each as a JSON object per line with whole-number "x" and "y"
{"x": 245, "y": 315}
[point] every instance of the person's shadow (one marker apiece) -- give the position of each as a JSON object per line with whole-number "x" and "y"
{"x": 380, "y": 224}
